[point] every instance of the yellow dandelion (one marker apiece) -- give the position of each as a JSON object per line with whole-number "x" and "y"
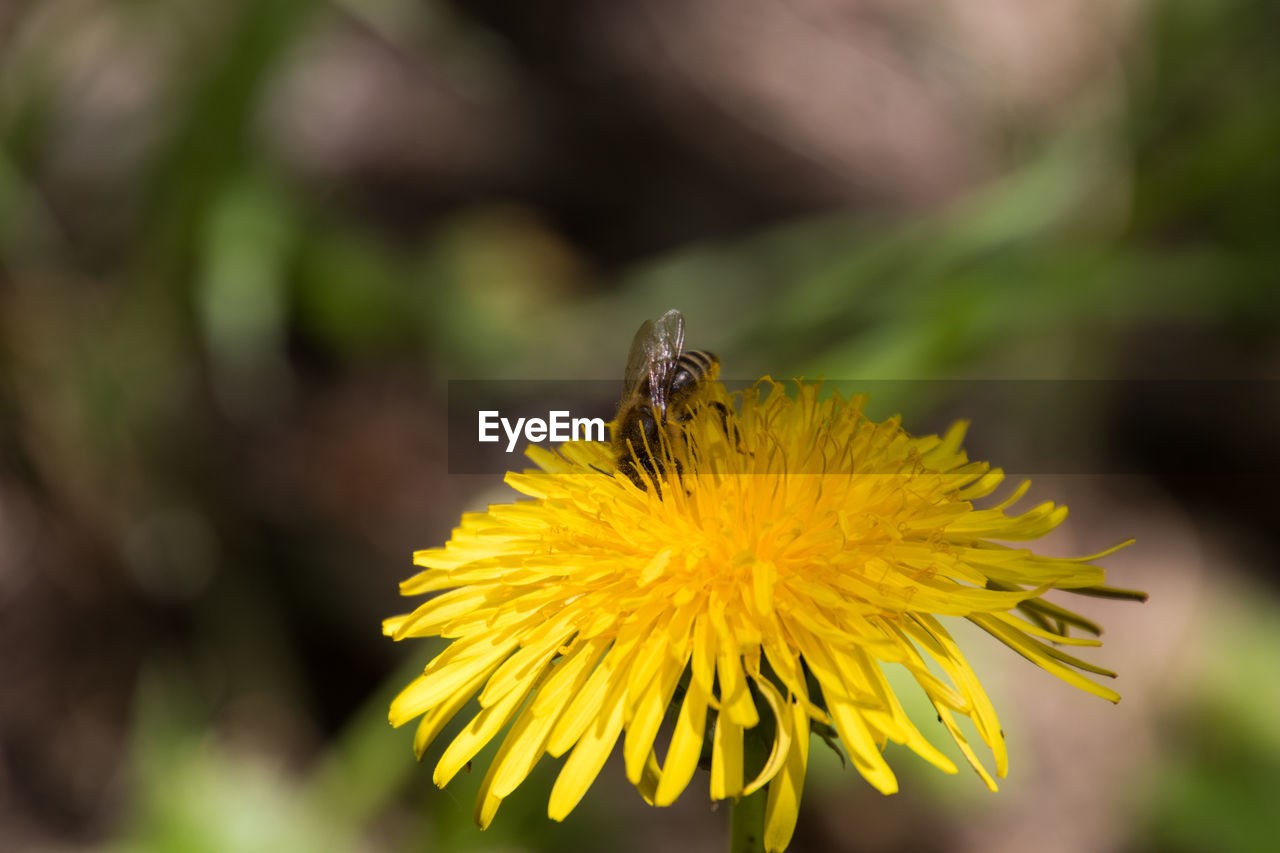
{"x": 792, "y": 551}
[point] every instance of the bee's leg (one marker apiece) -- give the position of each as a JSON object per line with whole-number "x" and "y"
{"x": 730, "y": 431}
{"x": 723, "y": 411}
{"x": 631, "y": 465}
{"x": 627, "y": 465}
{"x": 654, "y": 468}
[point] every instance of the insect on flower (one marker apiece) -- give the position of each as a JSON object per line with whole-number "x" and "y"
{"x": 763, "y": 588}
{"x": 660, "y": 386}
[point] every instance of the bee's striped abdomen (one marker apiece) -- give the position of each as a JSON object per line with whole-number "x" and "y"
{"x": 693, "y": 366}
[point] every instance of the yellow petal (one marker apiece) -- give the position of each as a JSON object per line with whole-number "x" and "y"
{"x": 431, "y": 724}
{"x": 522, "y": 667}
{"x": 1047, "y": 658}
{"x": 589, "y": 755}
{"x": 570, "y": 673}
{"x": 686, "y": 746}
{"x": 726, "y": 759}
{"x": 477, "y": 733}
{"x": 782, "y": 805}
{"x": 439, "y": 610}
{"x": 647, "y": 719}
{"x": 781, "y": 739}
{"x": 428, "y": 690}
{"x": 735, "y": 696}
{"x": 608, "y": 679}
{"x": 527, "y": 740}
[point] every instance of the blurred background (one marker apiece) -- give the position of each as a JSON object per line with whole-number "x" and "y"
{"x": 244, "y": 246}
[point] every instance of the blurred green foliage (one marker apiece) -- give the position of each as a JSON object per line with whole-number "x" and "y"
{"x": 1215, "y": 790}
{"x": 199, "y": 288}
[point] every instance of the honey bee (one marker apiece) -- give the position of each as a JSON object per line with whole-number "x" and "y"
{"x": 659, "y": 386}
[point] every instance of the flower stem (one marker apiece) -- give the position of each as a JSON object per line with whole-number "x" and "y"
{"x": 746, "y": 814}
{"x": 746, "y": 821}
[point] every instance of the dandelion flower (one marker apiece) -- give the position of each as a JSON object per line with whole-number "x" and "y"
{"x": 791, "y": 553}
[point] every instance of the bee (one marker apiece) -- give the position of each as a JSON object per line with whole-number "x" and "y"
{"x": 660, "y": 384}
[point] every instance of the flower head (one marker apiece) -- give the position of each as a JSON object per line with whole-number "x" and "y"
{"x": 792, "y": 551}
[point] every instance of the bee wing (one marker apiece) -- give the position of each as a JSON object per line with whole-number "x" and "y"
{"x": 637, "y": 360}
{"x": 664, "y": 345}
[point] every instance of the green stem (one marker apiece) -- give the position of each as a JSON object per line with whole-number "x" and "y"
{"x": 746, "y": 820}
{"x": 746, "y": 814}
